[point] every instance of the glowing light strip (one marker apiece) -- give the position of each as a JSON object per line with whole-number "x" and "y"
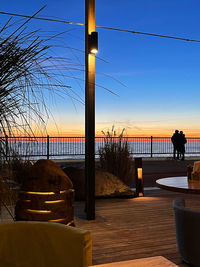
{"x": 53, "y": 201}
{"x": 45, "y": 193}
{"x": 40, "y": 193}
{"x": 39, "y": 211}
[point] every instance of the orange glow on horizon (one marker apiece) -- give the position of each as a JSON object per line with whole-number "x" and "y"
{"x": 75, "y": 131}
{"x": 81, "y": 135}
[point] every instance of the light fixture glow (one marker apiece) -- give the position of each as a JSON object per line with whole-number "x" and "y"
{"x": 94, "y": 51}
{"x": 139, "y": 177}
{"x": 93, "y": 43}
{"x": 45, "y": 193}
{"x": 40, "y": 193}
{"x": 54, "y": 201}
{"x": 139, "y": 170}
{"x": 38, "y": 211}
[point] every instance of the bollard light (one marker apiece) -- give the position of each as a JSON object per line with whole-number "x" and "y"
{"x": 140, "y": 183}
{"x": 93, "y": 42}
{"x": 139, "y": 177}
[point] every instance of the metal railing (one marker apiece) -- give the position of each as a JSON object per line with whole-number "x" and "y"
{"x": 74, "y": 147}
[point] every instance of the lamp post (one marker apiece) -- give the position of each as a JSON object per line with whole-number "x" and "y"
{"x": 90, "y": 50}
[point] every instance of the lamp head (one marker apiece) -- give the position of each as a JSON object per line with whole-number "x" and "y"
{"x": 93, "y": 42}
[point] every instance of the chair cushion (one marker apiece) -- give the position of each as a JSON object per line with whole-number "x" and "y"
{"x": 44, "y": 244}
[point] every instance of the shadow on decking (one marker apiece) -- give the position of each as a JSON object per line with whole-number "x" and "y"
{"x": 134, "y": 228}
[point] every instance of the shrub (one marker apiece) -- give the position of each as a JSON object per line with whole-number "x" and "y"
{"x": 115, "y": 156}
{"x": 12, "y": 174}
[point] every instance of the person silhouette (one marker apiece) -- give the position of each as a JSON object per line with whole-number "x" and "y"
{"x": 175, "y": 142}
{"x": 181, "y": 145}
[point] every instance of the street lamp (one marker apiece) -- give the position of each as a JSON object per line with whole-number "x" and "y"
{"x": 90, "y": 49}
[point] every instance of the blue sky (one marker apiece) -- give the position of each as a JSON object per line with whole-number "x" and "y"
{"x": 160, "y": 77}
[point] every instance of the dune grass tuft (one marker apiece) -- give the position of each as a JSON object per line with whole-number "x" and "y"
{"x": 115, "y": 156}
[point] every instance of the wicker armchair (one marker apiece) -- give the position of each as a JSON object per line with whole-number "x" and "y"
{"x": 187, "y": 224}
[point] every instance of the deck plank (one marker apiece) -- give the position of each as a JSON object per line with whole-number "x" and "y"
{"x": 144, "y": 262}
{"x": 127, "y": 229}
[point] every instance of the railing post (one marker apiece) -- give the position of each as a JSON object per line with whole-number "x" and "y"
{"x": 151, "y": 146}
{"x": 6, "y": 143}
{"x": 47, "y": 146}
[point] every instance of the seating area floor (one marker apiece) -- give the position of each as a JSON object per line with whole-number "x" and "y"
{"x": 134, "y": 228}
{"x": 126, "y": 229}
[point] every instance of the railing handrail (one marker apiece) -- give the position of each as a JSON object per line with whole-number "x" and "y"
{"x": 55, "y": 146}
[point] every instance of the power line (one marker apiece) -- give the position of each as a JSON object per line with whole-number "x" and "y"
{"x": 103, "y": 27}
{"x": 150, "y": 34}
{"x": 39, "y": 18}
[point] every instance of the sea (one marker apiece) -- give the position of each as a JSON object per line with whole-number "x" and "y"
{"x": 76, "y": 150}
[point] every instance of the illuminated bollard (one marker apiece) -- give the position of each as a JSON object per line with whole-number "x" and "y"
{"x": 139, "y": 178}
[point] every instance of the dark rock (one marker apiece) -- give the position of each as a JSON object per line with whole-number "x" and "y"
{"x": 46, "y": 175}
{"x": 106, "y": 184}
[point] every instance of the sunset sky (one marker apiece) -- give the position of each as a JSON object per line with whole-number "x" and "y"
{"x": 156, "y": 80}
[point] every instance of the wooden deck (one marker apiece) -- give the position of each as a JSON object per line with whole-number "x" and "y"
{"x": 127, "y": 229}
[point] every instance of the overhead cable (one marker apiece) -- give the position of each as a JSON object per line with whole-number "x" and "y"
{"x": 40, "y": 18}
{"x": 103, "y": 27}
{"x": 150, "y": 34}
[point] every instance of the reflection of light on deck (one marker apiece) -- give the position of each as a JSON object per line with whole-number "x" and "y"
{"x": 53, "y": 201}
{"x": 145, "y": 199}
{"x": 39, "y": 211}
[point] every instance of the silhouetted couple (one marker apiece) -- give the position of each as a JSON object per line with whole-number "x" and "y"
{"x": 179, "y": 141}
